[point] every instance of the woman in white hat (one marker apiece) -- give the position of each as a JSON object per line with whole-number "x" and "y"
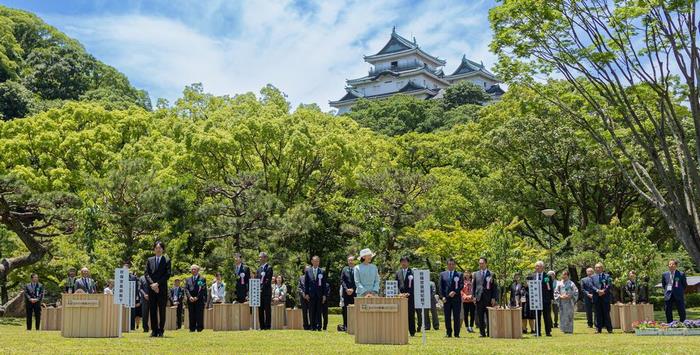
{"x": 366, "y": 275}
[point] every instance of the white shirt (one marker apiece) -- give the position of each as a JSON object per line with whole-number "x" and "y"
{"x": 218, "y": 292}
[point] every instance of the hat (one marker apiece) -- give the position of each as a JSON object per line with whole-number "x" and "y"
{"x": 366, "y": 252}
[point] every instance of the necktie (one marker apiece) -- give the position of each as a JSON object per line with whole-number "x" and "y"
{"x": 315, "y": 274}
{"x": 450, "y": 275}
{"x": 404, "y": 273}
{"x": 157, "y": 261}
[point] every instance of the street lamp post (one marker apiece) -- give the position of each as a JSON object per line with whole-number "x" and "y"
{"x": 548, "y": 212}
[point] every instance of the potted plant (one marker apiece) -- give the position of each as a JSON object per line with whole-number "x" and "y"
{"x": 674, "y": 328}
{"x": 643, "y": 328}
{"x": 692, "y": 327}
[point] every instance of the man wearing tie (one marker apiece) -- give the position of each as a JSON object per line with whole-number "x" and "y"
{"x": 674, "y": 283}
{"x": 69, "y": 284}
{"x": 85, "y": 283}
{"x": 450, "y": 284}
{"x": 315, "y": 291}
{"x": 587, "y": 288}
{"x": 404, "y": 276}
{"x": 242, "y": 279}
{"x": 601, "y": 298}
{"x": 177, "y": 294}
{"x": 547, "y": 296}
{"x": 33, "y": 295}
{"x": 157, "y": 274}
{"x": 265, "y": 275}
{"x": 196, "y": 293}
{"x": 485, "y": 294}
{"x": 347, "y": 283}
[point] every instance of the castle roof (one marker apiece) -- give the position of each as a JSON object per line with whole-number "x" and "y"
{"x": 400, "y": 45}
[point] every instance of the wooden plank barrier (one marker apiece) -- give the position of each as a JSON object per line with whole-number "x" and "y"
{"x": 505, "y": 323}
{"x": 351, "y": 319}
{"x": 381, "y": 320}
{"x": 277, "y": 321}
{"x": 294, "y": 319}
{"x": 89, "y": 316}
{"x": 630, "y": 313}
{"x": 51, "y": 318}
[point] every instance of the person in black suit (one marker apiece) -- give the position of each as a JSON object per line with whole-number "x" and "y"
{"x": 242, "y": 279}
{"x": 316, "y": 291}
{"x": 450, "y": 286}
{"x": 177, "y": 296}
{"x": 673, "y": 283}
{"x": 145, "y": 310}
{"x": 404, "y": 276}
{"x": 196, "y": 293}
{"x": 602, "y": 284}
{"x": 547, "y": 297}
{"x": 85, "y": 283}
{"x": 347, "y": 283}
{"x": 587, "y": 288}
{"x": 485, "y": 294}
{"x": 33, "y": 295}
{"x": 302, "y": 300}
{"x": 157, "y": 274}
{"x": 265, "y": 274}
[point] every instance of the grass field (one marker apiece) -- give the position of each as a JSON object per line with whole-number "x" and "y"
{"x": 15, "y": 339}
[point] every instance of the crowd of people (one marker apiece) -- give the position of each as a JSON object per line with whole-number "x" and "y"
{"x": 464, "y": 295}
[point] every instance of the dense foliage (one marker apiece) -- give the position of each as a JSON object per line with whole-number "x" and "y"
{"x": 41, "y": 67}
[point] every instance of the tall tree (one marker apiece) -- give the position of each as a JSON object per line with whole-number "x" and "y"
{"x": 633, "y": 64}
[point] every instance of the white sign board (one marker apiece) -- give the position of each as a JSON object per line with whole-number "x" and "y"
{"x": 535, "y": 294}
{"x": 421, "y": 289}
{"x": 121, "y": 285}
{"x": 254, "y": 293}
{"x": 391, "y": 289}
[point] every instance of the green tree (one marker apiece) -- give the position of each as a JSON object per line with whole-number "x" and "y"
{"x": 632, "y": 65}
{"x": 15, "y": 100}
{"x": 464, "y": 93}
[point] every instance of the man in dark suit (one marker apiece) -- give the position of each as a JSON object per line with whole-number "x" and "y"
{"x": 674, "y": 283}
{"x": 145, "y": 310}
{"x": 265, "y": 274}
{"x": 157, "y": 274}
{"x": 547, "y": 296}
{"x": 347, "y": 283}
{"x": 85, "y": 283}
{"x": 33, "y": 295}
{"x": 601, "y": 298}
{"x": 69, "y": 283}
{"x": 485, "y": 294}
{"x": 302, "y": 300}
{"x": 587, "y": 291}
{"x": 316, "y": 291}
{"x": 242, "y": 273}
{"x": 404, "y": 276}
{"x": 196, "y": 293}
{"x": 450, "y": 285}
{"x": 177, "y": 296}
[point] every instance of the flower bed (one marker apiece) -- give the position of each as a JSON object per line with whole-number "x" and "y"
{"x": 675, "y": 328}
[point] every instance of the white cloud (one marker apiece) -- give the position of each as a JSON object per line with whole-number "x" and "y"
{"x": 308, "y": 56}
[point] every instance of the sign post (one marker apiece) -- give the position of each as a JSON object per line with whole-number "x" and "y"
{"x": 421, "y": 295}
{"x": 535, "y": 299}
{"x": 121, "y": 291}
{"x": 254, "y": 299}
{"x": 391, "y": 288}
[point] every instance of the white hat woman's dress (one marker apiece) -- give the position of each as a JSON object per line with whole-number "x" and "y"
{"x": 366, "y": 252}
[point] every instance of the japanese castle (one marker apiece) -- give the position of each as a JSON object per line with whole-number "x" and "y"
{"x": 402, "y": 67}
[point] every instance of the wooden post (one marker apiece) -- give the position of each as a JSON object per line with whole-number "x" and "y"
{"x": 294, "y": 319}
{"x": 351, "y": 319}
{"x": 630, "y": 313}
{"x": 277, "y": 321}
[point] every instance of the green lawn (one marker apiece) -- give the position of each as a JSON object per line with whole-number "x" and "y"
{"x": 17, "y": 340}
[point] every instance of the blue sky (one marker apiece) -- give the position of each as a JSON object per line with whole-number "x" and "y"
{"x": 306, "y": 48}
